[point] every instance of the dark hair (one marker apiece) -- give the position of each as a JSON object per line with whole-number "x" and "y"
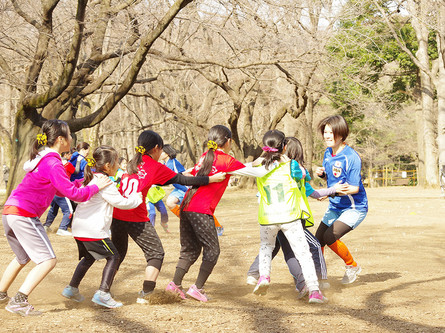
{"x": 337, "y": 123}
{"x": 52, "y": 128}
{"x": 219, "y": 134}
{"x": 294, "y": 150}
{"x": 170, "y": 151}
{"x": 63, "y": 154}
{"x": 273, "y": 139}
{"x": 72, "y": 150}
{"x": 121, "y": 159}
{"x": 82, "y": 145}
{"x": 148, "y": 140}
{"x": 102, "y": 155}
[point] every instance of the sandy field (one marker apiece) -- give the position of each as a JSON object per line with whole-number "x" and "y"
{"x": 401, "y": 288}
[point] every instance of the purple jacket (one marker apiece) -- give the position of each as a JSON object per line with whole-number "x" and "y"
{"x": 45, "y": 178}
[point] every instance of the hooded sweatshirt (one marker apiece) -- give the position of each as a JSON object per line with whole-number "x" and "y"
{"x": 45, "y": 178}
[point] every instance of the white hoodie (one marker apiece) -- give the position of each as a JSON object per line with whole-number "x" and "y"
{"x": 92, "y": 219}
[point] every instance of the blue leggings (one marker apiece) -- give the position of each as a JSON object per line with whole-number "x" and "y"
{"x": 152, "y": 212}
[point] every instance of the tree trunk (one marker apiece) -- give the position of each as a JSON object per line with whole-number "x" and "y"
{"x": 24, "y": 134}
{"x": 441, "y": 88}
{"x": 421, "y": 181}
{"x": 427, "y": 128}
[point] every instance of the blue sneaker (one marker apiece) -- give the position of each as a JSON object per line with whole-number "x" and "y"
{"x": 72, "y": 293}
{"x": 220, "y": 230}
{"x": 103, "y": 298}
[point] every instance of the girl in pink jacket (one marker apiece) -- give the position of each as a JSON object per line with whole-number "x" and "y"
{"x": 45, "y": 178}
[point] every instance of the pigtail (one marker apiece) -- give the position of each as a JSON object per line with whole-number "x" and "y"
{"x": 87, "y": 175}
{"x": 34, "y": 149}
{"x": 273, "y": 141}
{"x": 132, "y": 166}
{"x": 101, "y": 156}
{"x": 147, "y": 140}
{"x": 51, "y": 130}
{"x": 294, "y": 150}
{"x": 205, "y": 169}
{"x": 218, "y": 136}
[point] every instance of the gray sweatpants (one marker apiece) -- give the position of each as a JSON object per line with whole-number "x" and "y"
{"x": 27, "y": 238}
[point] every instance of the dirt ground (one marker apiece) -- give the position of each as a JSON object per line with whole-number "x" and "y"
{"x": 401, "y": 288}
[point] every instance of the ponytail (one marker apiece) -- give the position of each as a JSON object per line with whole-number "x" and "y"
{"x": 51, "y": 130}
{"x": 294, "y": 150}
{"x": 205, "y": 169}
{"x": 273, "y": 142}
{"x": 101, "y": 156}
{"x": 218, "y": 136}
{"x": 147, "y": 140}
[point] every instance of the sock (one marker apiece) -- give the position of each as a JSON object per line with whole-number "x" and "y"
{"x": 148, "y": 286}
{"x": 20, "y": 297}
{"x": 176, "y": 210}
{"x": 342, "y": 251}
{"x": 202, "y": 278}
{"x": 179, "y": 275}
{"x": 216, "y": 222}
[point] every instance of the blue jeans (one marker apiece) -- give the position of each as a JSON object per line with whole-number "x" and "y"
{"x": 67, "y": 211}
{"x": 152, "y": 212}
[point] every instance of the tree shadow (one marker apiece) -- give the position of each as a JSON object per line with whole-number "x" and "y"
{"x": 375, "y": 308}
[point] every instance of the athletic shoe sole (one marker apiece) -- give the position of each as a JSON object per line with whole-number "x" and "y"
{"x": 261, "y": 289}
{"x": 117, "y": 305}
{"x": 355, "y": 277}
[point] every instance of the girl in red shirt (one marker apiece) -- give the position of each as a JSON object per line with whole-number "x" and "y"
{"x": 197, "y": 226}
{"x": 144, "y": 170}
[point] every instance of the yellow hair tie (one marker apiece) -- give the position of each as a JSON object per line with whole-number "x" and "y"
{"x": 212, "y": 145}
{"x": 140, "y": 149}
{"x": 41, "y": 139}
{"x": 91, "y": 162}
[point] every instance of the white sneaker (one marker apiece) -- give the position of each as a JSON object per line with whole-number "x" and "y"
{"x": 62, "y": 232}
{"x": 351, "y": 274}
{"x": 251, "y": 280}
{"x": 303, "y": 292}
{"x": 323, "y": 285}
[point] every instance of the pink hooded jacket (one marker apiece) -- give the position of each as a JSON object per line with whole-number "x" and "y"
{"x": 45, "y": 178}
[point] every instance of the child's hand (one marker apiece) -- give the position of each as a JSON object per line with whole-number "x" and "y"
{"x": 188, "y": 172}
{"x": 341, "y": 188}
{"x": 320, "y": 172}
{"x": 217, "y": 177}
{"x": 258, "y": 161}
{"x": 103, "y": 181}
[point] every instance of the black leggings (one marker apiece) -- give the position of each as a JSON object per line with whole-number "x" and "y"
{"x": 107, "y": 275}
{"x": 329, "y": 235}
{"x": 144, "y": 235}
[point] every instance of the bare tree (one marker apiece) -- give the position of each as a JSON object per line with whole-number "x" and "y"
{"x": 93, "y": 53}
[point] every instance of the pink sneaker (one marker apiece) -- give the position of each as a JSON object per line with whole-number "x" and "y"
{"x": 197, "y": 294}
{"x": 172, "y": 287}
{"x": 262, "y": 285}
{"x": 317, "y": 297}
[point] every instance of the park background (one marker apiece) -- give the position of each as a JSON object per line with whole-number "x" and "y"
{"x": 112, "y": 69}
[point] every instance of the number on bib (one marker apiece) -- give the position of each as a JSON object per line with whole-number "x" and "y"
{"x": 129, "y": 186}
{"x": 274, "y": 194}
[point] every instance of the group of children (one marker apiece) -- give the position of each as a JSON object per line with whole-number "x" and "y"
{"x": 284, "y": 210}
